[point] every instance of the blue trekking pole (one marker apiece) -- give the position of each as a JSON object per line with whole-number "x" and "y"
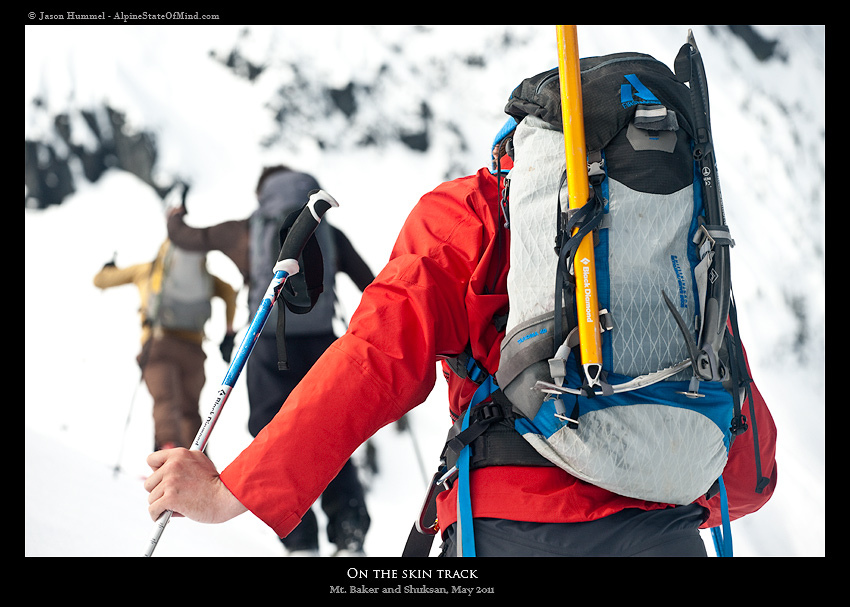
{"x": 287, "y": 265}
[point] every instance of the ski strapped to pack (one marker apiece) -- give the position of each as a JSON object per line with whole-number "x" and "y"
{"x": 287, "y": 265}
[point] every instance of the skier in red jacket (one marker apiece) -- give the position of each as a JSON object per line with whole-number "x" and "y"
{"x": 438, "y": 295}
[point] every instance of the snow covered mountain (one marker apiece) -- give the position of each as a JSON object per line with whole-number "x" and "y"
{"x": 114, "y": 115}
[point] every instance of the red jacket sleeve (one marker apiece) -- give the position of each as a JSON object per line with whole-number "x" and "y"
{"x": 381, "y": 368}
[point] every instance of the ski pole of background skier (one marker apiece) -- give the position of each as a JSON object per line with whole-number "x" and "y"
{"x": 117, "y": 468}
{"x": 572, "y": 113}
{"x": 287, "y": 265}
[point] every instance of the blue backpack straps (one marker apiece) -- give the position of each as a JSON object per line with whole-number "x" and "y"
{"x": 722, "y": 534}
{"x": 466, "y": 538}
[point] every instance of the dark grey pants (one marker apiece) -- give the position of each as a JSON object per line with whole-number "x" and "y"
{"x": 633, "y": 532}
{"x": 343, "y": 501}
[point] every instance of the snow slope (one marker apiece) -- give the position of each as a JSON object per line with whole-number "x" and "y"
{"x": 86, "y": 412}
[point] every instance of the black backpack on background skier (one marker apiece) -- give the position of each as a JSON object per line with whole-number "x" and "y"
{"x": 282, "y": 197}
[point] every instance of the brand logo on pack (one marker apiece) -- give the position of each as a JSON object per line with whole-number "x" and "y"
{"x": 542, "y": 331}
{"x": 641, "y": 93}
{"x": 680, "y": 278}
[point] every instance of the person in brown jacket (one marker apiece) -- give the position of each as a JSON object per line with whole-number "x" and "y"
{"x": 175, "y": 292}
{"x": 252, "y": 244}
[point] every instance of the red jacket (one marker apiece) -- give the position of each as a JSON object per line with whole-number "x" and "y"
{"x": 439, "y": 292}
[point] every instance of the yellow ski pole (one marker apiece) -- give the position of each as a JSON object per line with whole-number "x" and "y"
{"x": 587, "y": 302}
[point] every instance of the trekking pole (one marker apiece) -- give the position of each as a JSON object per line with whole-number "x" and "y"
{"x": 117, "y": 468}
{"x": 587, "y": 303}
{"x": 403, "y": 424}
{"x": 287, "y": 265}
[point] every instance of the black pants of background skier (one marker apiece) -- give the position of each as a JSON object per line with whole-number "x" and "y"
{"x": 343, "y": 501}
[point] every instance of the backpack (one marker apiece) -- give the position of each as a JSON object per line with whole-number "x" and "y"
{"x": 651, "y": 432}
{"x": 660, "y": 425}
{"x": 180, "y": 290}
{"x": 281, "y": 199}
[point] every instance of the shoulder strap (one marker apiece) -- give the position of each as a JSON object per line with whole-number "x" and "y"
{"x": 465, "y": 535}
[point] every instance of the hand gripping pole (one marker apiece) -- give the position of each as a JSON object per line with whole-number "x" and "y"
{"x": 287, "y": 265}
{"x": 587, "y": 302}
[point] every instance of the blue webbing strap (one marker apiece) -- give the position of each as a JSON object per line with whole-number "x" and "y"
{"x": 466, "y": 538}
{"x": 722, "y": 535}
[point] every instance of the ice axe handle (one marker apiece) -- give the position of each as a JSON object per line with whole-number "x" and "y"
{"x": 306, "y": 223}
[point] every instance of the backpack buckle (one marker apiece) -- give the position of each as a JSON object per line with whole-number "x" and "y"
{"x": 596, "y": 170}
{"x": 489, "y": 412}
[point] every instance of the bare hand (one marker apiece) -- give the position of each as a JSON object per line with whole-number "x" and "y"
{"x": 187, "y": 483}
